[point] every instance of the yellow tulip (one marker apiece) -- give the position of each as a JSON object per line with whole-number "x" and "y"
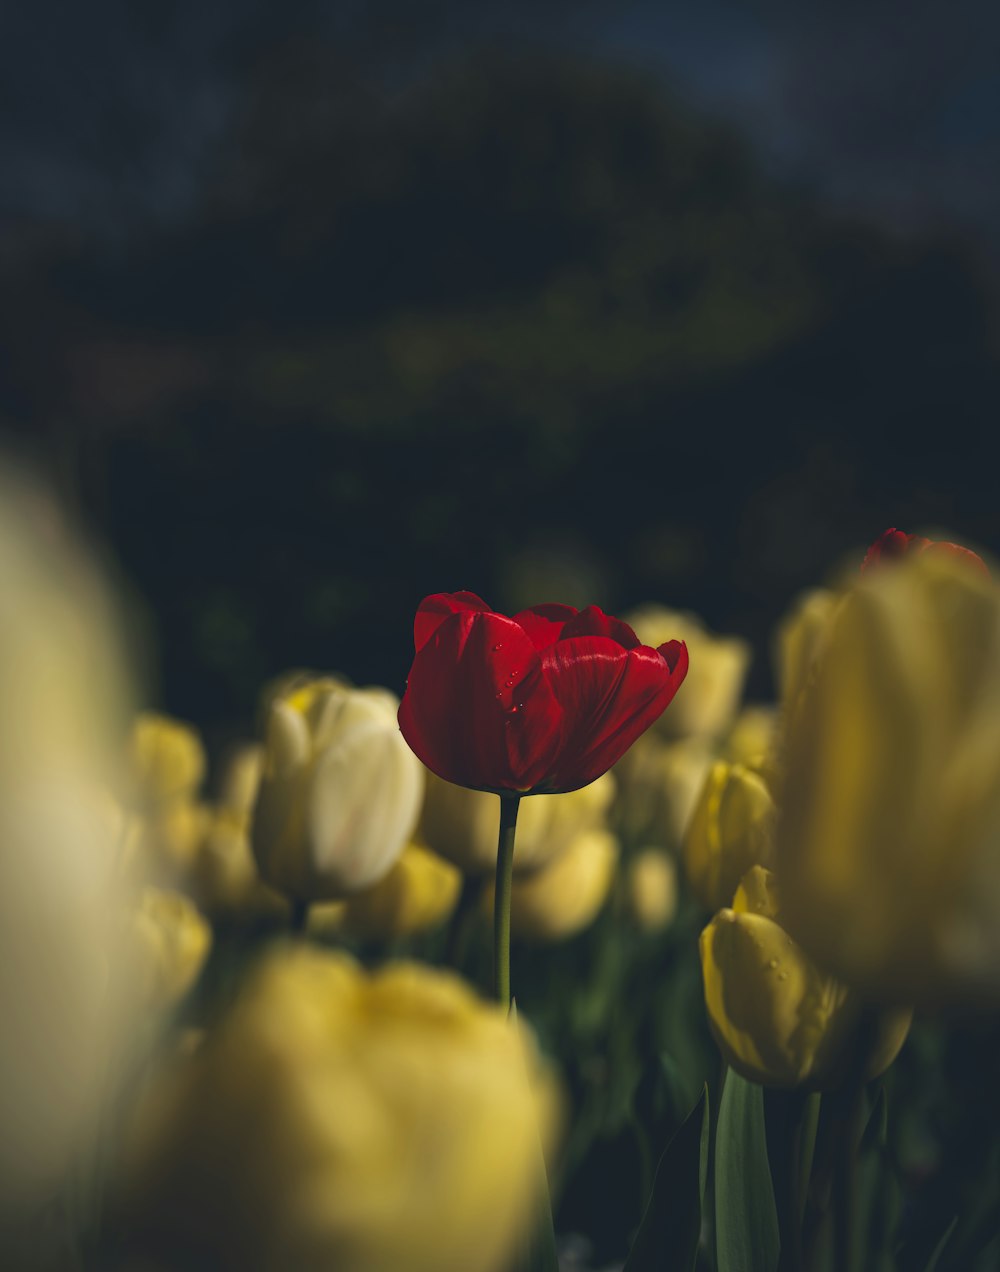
{"x": 417, "y": 894}
{"x": 167, "y": 759}
{"x": 753, "y": 737}
{"x": 224, "y": 876}
{"x": 707, "y": 701}
{"x": 889, "y": 839}
{"x": 172, "y": 941}
{"x": 659, "y": 783}
{"x": 778, "y": 1019}
{"x": 462, "y": 825}
{"x": 651, "y": 890}
{"x": 241, "y": 776}
{"x": 732, "y": 829}
{"x": 336, "y": 1119}
{"x": 565, "y": 896}
{"x": 340, "y": 791}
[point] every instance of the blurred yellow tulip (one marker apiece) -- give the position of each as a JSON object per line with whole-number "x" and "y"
{"x": 171, "y": 943}
{"x": 418, "y": 894}
{"x": 753, "y": 737}
{"x": 707, "y": 701}
{"x": 167, "y": 760}
{"x": 564, "y": 897}
{"x": 731, "y": 829}
{"x": 651, "y": 889}
{"x": 462, "y": 824}
{"x": 241, "y": 774}
{"x": 778, "y": 1019}
{"x": 889, "y": 840}
{"x": 340, "y": 791}
{"x": 336, "y": 1119}
{"x": 224, "y": 876}
{"x": 659, "y": 783}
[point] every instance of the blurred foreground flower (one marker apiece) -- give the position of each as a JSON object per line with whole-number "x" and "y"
{"x": 731, "y": 829}
{"x": 340, "y": 1120}
{"x": 778, "y": 1019}
{"x": 546, "y": 701}
{"x": 340, "y": 791}
{"x": 461, "y": 824}
{"x": 63, "y": 982}
{"x": 708, "y": 701}
{"x": 888, "y": 845}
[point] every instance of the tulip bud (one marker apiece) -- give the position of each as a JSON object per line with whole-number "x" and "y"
{"x": 172, "y": 942}
{"x": 651, "y": 890}
{"x": 417, "y": 894}
{"x": 340, "y": 792}
{"x": 889, "y": 839}
{"x": 383, "y": 1121}
{"x": 167, "y": 760}
{"x": 731, "y": 830}
{"x": 778, "y": 1019}
{"x": 564, "y": 897}
{"x": 707, "y": 701}
{"x": 461, "y": 825}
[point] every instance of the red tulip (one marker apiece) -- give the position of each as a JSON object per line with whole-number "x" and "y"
{"x": 545, "y": 701}
{"x": 892, "y": 544}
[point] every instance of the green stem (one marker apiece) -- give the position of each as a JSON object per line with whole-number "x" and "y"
{"x": 501, "y": 904}
{"x": 299, "y": 916}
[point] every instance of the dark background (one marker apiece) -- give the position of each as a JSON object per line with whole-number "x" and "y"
{"x": 313, "y": 309}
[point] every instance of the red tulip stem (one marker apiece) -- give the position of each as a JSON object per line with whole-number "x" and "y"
{"x": 501, "y": 904}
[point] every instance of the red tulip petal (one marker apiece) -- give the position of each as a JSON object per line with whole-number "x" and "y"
{"x": 594, "y": 622}
{"x": 609, "y": 696}
{"x": 433, "y": 610}
{"x": 478, "y": 709}
{"x": 544, "y": 623}
{"x": 674, "y": 652}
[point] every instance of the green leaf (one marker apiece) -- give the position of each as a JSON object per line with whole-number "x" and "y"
{"x": 933, "y": 1261}
{"x": 746, "y": 1221}
{"x": 667, "y": 1240}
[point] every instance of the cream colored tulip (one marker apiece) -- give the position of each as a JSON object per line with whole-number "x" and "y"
{"x": 778, "y": 1019}
{"x": 732, "y": 829}
{"x": 340, "y": 792}
{"x": 889, "y": 840}
{"x": 753, "y": 737}
{"x": 417, "y": 895}
{"x": 565, "y": 896}
{"x": 462, "y": 825}
{"x": 651, "y": 890}
{"x": 336, "y": 1119}
{"x": 171, "y": 944}
{"x": 706, "y": 703}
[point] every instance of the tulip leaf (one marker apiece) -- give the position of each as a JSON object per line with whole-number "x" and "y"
{"x": 746, "y": 1220}
{"x": 938, "y": 1250}
{"x": 667, "y": 1240}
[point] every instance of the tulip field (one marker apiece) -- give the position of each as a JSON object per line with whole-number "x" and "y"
{"x": 561, "y": 957}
